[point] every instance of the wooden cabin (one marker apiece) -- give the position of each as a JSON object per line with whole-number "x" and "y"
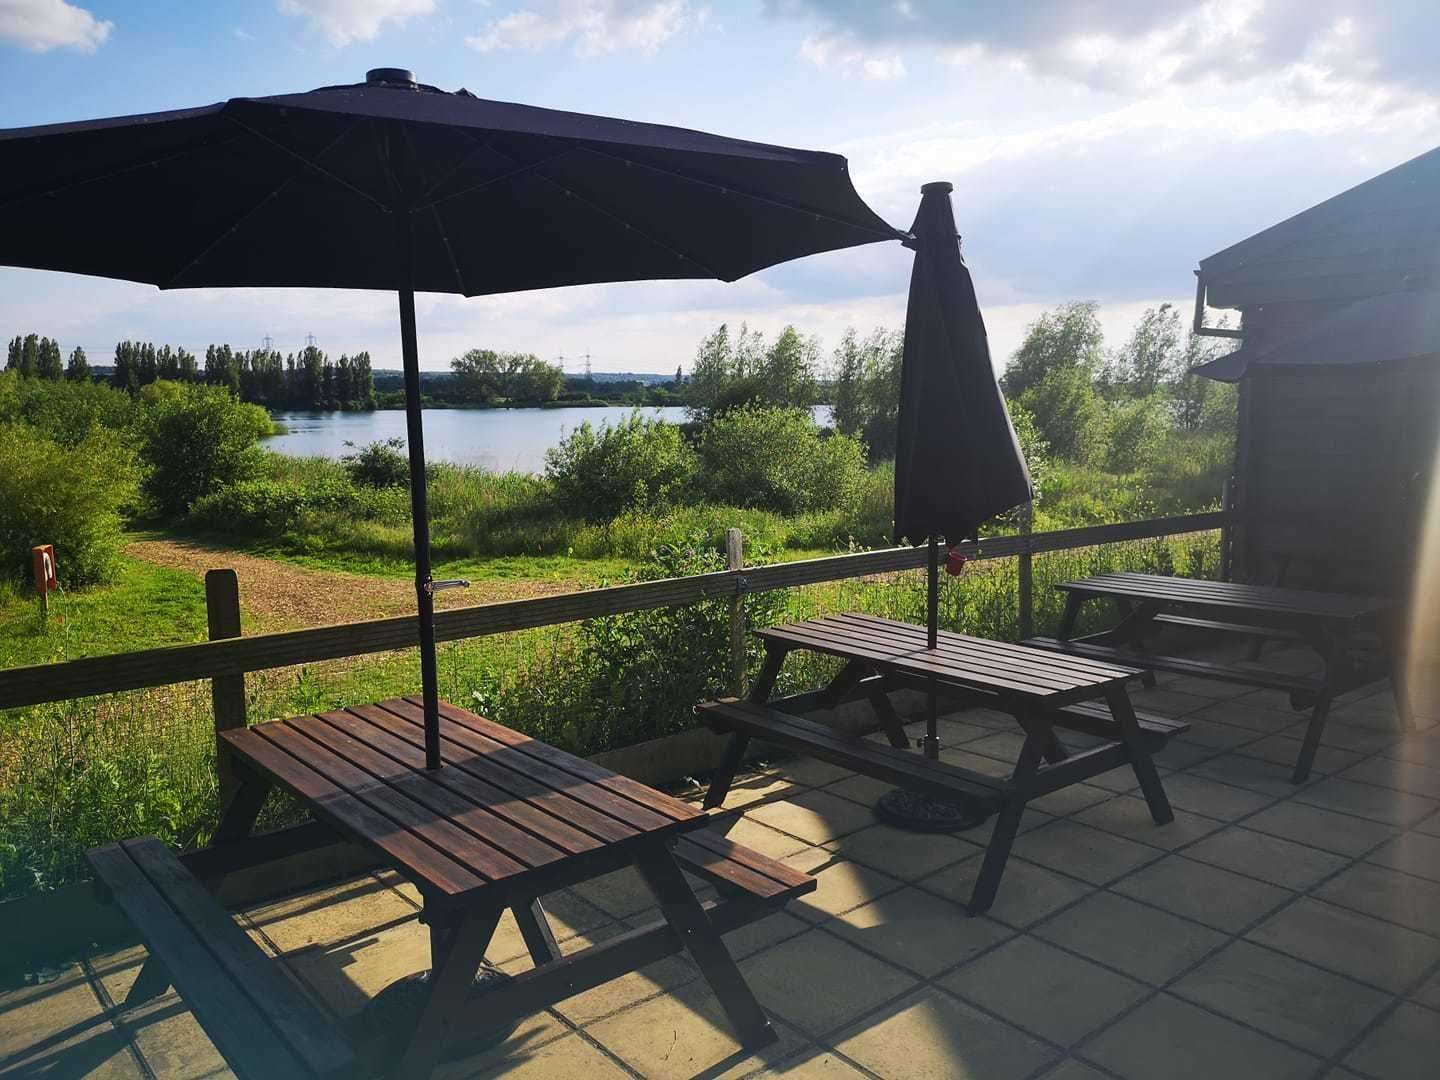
{"x": 1339, "y": 374}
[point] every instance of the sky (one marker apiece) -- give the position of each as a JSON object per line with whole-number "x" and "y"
{"x": 1099, "y": 148}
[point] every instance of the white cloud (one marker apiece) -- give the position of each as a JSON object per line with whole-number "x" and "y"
{"x": 842, "y": 56}
{"x": 346, "y": 21}
{"x": 593, "y": 26}
{"x": 42, "y": 25}
{"x": 1136, "y": 47}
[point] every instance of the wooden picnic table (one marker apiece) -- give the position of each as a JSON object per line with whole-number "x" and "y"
{"x": 1043, "y": 691}
{"x": 506, "y": 819}
{"x": 1330, "y": 623}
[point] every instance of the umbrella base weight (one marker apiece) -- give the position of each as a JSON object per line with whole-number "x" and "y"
{"x": 392, "y": 1014}
{"x": 921, "y": 813}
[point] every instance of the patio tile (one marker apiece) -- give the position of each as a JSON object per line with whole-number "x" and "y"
{"x": 1215, "y": 735}
{"x": 864, "y": 790}
{"x": 1206, "y": 797}
{"x": 965, "y": 758}
{"x": 934, "y": 1036}
{"x": 61, "y": 1009}
{"x": 1170, "y": 1038}
{"x": 172, "y": 1042}
{"x": 813, "y": 1064}
{"x": 1422, "y": 748}
{"x": 1002, "y": 745}
{"x": 617, "y": 994}
{"x": 1245, "y": 715}
{"x": 1217, "y": 689}
{"x": 1429, "y": 994}
{"x": 1340, "y": 833}
{"x": 618, "y": 894}
{"x": 811, "y": 772}
{"x": 1284, "y": 750}
{"x": 1074, "y": 1069}
{"x": 1167, "y": 702}
{"x": 1360, "y": 740}
{"x": 818, "y": 983}
{"x": 1266, "y": 857}
{"x": 918, "y": 930}
{"x": 326, "y": 916}
{"x": 759, "y": 788}
{"x": 840, "y": 884}
{"x": 1367, "y": 801}
{"x": 1404, "y": 1047}
{"x": 1282, "y": 997}
{"x": 1178, "y": 754}
{"x": 683, "y": 1034}
{"x": 1373, "y": 710}
{"x": 1204, "y": 893}
{"x": 1401, "y": 775}
{"x": 1129, "y": 816}
{"x": 1430, "y": 826}
{"x": 346, "y": 975}
{"x": 814, "y": 816}
{"x": 1027, "y": 892}
{"x": 1083, "y": 852}
{"x": 762, "y": 933}
{"x": 1413, "y": 852}
{"x": 1387, "y": 894}
{"x": 750, "y": 833}
{"x": 1268, "y": 778}
{"x": 1130, "y": 937}
{"x": 902, "y": 854}
{"x": 569, "y": 1055}
{"x": 1039, "y": 988}
{"x": 1070, "y": 799}
{"x": 1354, "y": 944}
{"x": 117, "y": 970}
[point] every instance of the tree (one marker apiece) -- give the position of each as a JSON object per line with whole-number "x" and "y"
{"x": 126, "y": 375}
{"x": 1151, "y": 357}
{"x": 1068, "y": 412}
{"x": 12, "y": 354}
{"x": 30, "y": 355}
{"x": 1069, "y": 337}
{"x": 867, "y": 389}
{"x": 484, "y": 376}
{"x": 78, "y": 370}
{"x": 48, "y": 362}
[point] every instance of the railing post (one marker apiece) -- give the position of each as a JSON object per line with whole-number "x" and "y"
{"x": 1027, "y": 576}
{"x": 735, "y": 560}
{"x": 227, "y": 692}
{"x": 1227, "y": 534}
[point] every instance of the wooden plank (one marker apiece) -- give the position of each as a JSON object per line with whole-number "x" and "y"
{"x": 1194, "y": 623}
{"x": 553, "y": 830}
{"x": 355, "y": 818}
{"x": 1179, "y": 665}
{"x": 1095, "y": 719}
{"x": 455, "y": 750}
{"x": 632, "y": 813}
{"x": 883, "y": 763}
{"x": 36, "y": 684}
{"x": 633, "y": 790}
{"x": 785, "y": 876}
{"x": 228, "y": 1016}
{"x": 400, "y": 811}
{"x": 713, "y": 866}
{"x": 299, "y": 1023}
{"x": 425, "y": 788}
{"x": 1231, "y": 594}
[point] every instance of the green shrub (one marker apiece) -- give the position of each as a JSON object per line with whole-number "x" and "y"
{"x": 65, "y": 411}
{"x": 1068, "y": 413}
{"x": 379, "y": 464}
{"x": 1134, "y": 434}
{"x": 600, "y": 472}
{"x": 197, "y": 439}
{"x": 263, "y": 507}
{"x": 71, "y": 496}
{"x": 777, "y": 459}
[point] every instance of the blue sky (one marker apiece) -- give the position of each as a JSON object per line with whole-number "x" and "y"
{"x": 1098, "y": 149}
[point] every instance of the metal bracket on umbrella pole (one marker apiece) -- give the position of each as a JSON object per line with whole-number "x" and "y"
{"x": 432, "y": 587}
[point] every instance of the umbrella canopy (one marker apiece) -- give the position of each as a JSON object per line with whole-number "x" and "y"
{"x": 318, "y": 189}
{"x": 957, "y": 461}
{"x": 390, "y": 184}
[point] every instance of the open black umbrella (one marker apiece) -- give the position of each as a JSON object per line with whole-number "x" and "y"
{"x": 399, "y": 186}
{"x": 957, "y": 460}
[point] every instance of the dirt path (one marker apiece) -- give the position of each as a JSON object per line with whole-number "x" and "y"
{"x": 278, "y": 595}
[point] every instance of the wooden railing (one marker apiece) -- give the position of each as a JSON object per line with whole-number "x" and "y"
{"x": 228, "y": 657}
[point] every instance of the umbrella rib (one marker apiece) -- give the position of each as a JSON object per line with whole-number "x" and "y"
{"x": 797, "y": 208}
{"x": 202, "y": 143}
{"x": 273, "y": 193}
{"x": 449, "y": 251}
{"x": 492, "y": 181}
{"x": 309, "y": 163}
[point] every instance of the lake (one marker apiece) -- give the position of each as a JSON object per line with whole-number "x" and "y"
{"x": 497, "y": 439}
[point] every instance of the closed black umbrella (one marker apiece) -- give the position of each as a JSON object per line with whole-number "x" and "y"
{"x": 957, "y": 460}
{"x": 399, "y": 186}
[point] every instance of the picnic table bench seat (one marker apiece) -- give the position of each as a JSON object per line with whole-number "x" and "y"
{"x": 1264, "y": 678}
{"x": 261, "y": 1022}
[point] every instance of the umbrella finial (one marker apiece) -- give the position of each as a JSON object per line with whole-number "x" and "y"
{"x": 399, "y": 77}
{"x": 937, "y": 187}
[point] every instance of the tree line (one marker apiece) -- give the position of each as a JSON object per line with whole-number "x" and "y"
{"x": 309, "y": 379}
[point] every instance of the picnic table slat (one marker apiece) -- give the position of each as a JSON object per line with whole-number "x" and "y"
{"x": 602, "y": 799}
{"x": 328, "y": 800}
{"x": 784, "y": 876}
{"x": 1258, "y": 598}
{"x": 456, "y": 749}
{"x": 549, "y": 828}
{"x": 427, "y": 790}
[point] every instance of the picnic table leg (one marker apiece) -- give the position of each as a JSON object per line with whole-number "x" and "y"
{"x": 535, "y": 929}
{"x": 889, "y": 719}
{"x": 453, "y": 968}
{"x": 842, "y": 685}
{"x": 1331, "y": 650}
{"x": 1073, "y": 603}
{"x": 689, "y": 921}
{"x": 1140, "y": 759}
{"x": 1130, "y": 630}
{"x": 724, "y": 774}
{"x": 236, "y": 821}
{"x": 775, "y": 654}
{"x": 1392, "y": 638}
{"x": 1007, "y": 822}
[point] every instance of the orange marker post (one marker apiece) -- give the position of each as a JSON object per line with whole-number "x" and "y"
{"x": 42, "y": 559}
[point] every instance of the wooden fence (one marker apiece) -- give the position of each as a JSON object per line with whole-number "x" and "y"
{"x": 227, "y": 657}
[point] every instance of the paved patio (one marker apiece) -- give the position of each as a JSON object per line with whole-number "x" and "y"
{"x": 1268, "y": 932}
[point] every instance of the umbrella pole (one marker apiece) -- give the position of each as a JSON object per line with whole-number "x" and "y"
{"x": 420, "y": 518}
{"x": 932, "y": 634}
